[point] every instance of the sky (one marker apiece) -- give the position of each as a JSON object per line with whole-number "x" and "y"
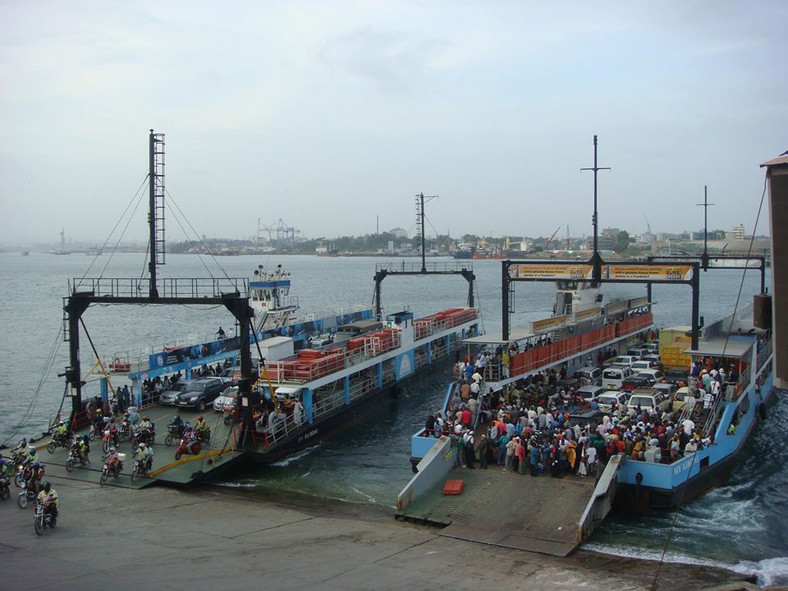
{"x": 331, "y": 116}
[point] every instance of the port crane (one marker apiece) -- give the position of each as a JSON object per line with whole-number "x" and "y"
{"x": 549, "y": 240}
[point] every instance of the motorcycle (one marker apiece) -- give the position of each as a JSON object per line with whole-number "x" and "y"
{"x": 28, "y": 495}
{"x": 188, "y": 446}
{"x": 124, "y": 432}
{"x": 59, "y": 440}
{"x": 96, "y": 430}
{"x": 203, "y": 435}
{"x": 43, "y": 518}
{"x": 5, "y": 487}
{"x": 140, "y": 469}
{"x": 143, "y": 435}
{"x": 110, "y": 437}
{"x": 114, "y": 471}
{"x": 173, "y": 432}
{"x": 75, "y": 458}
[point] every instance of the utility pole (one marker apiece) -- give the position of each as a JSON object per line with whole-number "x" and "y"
{"x": 704, "y": 258}
{"x": 420, "y": 199}
{"x": 596, "y": 260}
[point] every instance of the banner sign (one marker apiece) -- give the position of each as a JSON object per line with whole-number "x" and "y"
{"x": 550, "y": 271}
{"x": 647, "y": 272}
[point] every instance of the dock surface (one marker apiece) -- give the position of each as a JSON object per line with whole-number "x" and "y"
{"x": 534, "y": 513}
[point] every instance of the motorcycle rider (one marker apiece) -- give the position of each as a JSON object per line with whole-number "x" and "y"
{"x": 36, "y": 476}
{"x": 201, "y": 428}
{"x": 6, "y": 467}
{"x": 61, "y": 431}
{"x": 19, "y": 453}
{"x": 112, "y": 459}
{"x": 48, "y": 498}
{"x": 145, "y": 456}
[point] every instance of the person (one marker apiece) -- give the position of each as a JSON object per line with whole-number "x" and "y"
{"x": 61, "y": 431}
{"x": 36, "y": 477}
{"x": 145, "y": 456}
{"x": 220, "y": 333}
{"x": 113, "y": 460}
{"x": 19, "y": 453}
{"x": 48, "y": 498}
{"x": 484, "y": 447}
{"x": 200, "y": 427}
{"x": 177, "y": 423}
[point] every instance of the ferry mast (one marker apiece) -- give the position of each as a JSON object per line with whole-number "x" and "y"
{"x": 83, "y": 292}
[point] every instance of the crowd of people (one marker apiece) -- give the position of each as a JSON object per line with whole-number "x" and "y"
{"x": 528, "y": 427}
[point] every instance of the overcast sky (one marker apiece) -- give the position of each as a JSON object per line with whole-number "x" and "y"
{"x": 332, "y": 115}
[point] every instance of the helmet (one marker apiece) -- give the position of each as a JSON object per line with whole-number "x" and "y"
{"x": 112, "y": 450}
{"x": 47, "y": 487}
{"x": 36, "y": 465}
{"x": 145, "y": 418}
{"x": 188, "y": 425}
{"x": 142, "y": 446}
{"x": 200, "y": 418}
{"x": 23, "y": 442}
{"x": 31, "y": 450}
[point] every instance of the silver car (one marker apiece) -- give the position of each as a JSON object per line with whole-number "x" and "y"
{"x": 169, "y": 396}
{"x": 226, "y": 399}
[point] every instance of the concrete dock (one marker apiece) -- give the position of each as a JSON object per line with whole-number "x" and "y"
{"x": 162, "y": 538}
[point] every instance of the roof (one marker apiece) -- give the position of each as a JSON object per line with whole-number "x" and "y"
{"x": 721, "y": 347}
{"x": 781, "y": 159}
{"x": 496, "y": 338}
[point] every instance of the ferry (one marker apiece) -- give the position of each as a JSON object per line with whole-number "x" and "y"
{"x": 741, "y": 344}
{"x": 310, "y": 394}
{"x": 294, "y": 394}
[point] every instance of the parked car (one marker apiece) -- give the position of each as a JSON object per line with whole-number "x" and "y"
{"x": 642, "y": 364}
{"x": 654, "y": 374}
{"x": 634, "y": 382}
{"x": 637, "y": 352}
{"x": 612, "y": 377}
{"x": 231, "y": 375}
{"x": 590, "y": 392}
{"x": 654, "y": 358}
{"x": 226, "y": 399}
{"x": 668, "y": 389}
{"x": 627, "y": 360}
{"x": 589, "y": 375}
{"x": 649, "y": 400}
{"x": 170, "y": 395}
{"x": 680, "y": 399}
{"x": 605, "y": 401}
{"x": 201, "y": 393}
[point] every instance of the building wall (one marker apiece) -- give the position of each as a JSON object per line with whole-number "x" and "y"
{"x": 778, "y": 196}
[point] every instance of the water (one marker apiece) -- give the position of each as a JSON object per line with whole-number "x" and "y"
{"x": 740, "y": 526}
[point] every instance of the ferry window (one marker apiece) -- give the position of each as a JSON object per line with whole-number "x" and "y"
{"x": 566, "y": 284}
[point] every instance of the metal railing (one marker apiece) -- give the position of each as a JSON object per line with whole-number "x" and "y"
{"x": 173, "y": 287}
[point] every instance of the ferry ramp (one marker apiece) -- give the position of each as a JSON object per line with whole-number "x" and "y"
{"x": 217, "y": 456}
{"x": 534, "y": 513}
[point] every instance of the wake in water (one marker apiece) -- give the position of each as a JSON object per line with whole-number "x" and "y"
{"x": 740, "y": 527}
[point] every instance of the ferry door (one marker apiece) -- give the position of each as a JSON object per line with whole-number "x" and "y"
{"x": 563, "y": 303}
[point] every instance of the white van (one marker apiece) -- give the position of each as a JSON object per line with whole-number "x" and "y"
{"x": 605, "y": 401}
{"x": 623, "y": 360}
{"x": 612, "y": 377}
{"x": 653, "y": 373}
{"x": 649, "y": 400}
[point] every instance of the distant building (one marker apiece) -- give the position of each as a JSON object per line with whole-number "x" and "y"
{"x": 737, "y": 233}
{"x": 399, "y": 232}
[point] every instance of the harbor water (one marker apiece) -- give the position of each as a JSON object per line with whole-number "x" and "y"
{"x": 741, "y": 526}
